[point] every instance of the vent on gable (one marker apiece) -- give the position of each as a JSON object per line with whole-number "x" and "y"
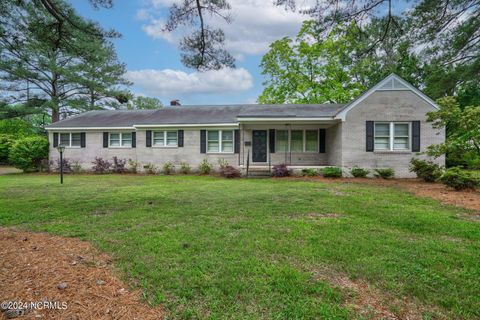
{"x": 393, "y": 84}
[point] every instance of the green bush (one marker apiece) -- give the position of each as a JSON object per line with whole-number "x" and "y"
{"x": 309, "y": 172}
{"x": 133, "y": 166}
{"x": 6, "y": 142}
{"x": 204, "y": 167}
{"x": 168, "y": 168}
{"x": 385, "y": 173}
{"x": 150, "y": 168}
{"x": 222, "y": 163}
{"x": 359, "y": 172}
{"x": 459, "y": 179}
{"x": 27, "y": 153}
{"x": 426, "y": 170}
{"x": 185, "y": 168}
{"x": 331, "y": 172}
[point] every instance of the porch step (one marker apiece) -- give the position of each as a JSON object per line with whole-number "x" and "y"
{"x": 258, "y": 172}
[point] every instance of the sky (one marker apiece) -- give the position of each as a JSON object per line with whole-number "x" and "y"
{"x": 153, "y": 59}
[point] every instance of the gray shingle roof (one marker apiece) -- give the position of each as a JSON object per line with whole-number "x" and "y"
{"x": 195, "y": 115}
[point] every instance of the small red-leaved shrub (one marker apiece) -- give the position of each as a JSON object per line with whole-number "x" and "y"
{"x": 101, "y": 166}
{"x": 280, "y": 170}
{"x": 230, "y": 172}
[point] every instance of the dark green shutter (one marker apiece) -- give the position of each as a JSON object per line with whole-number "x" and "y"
{"x": 180, "y": 138}
{"x": 82, "y": 140}
{"x": 203, "y": 141}
{"x": 322, "y": 140}
{"x": 416, "y": 136}
{"x": 105, "y": 139}
{"x": 271, "y": 140}
{"x": 55, "y": 139}
{"x": 134, "y": 139}
{"x": 369, "y": 136}
{"x": 237, "y": 141}
{"x": 148, "y": 138}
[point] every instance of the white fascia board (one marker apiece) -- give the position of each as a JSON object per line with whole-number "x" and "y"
{"x": 188, "y": 125}
{"x": 87, "y": 128}
{"x": 343, "y": 113}
{"x": 288, "y": 119}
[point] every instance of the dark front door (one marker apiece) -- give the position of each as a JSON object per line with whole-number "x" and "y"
{"x": 259, "y": 145}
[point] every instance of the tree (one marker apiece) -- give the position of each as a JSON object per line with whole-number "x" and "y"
{"x": 144, "y": 103}
{"x": 54, "y": 61}
{"x": 462, "y": 145}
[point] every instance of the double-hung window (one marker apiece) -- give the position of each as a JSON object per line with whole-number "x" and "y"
{"x": 296, "y": 141}
{"x": 220, "y": 141}
{"x": 392, "y": 136}
{"x": 120, "y": 139}
{"x": 70, "y": 139}
{"x": 165, "y": 138}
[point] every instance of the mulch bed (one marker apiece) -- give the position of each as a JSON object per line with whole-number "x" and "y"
{"x": 37, "y": 267}
{"x": 469, "y": 199}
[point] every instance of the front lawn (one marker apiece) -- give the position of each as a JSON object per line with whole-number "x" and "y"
{"x": 208, "y": 247}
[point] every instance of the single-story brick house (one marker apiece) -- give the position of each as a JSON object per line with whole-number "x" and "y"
{"x": 384, "y": 127}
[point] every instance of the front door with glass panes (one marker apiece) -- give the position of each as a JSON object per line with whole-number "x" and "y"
{"x": 259, "y": 146}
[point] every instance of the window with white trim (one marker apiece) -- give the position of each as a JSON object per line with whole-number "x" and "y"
{"x": 120, "y": 139}
{"x": 71, "y": 139}
{"x": 165, "y": 138}
{"x": 296, "y": 141}
{"x": 392, "y": 136}
{"x": 220, "y": 141}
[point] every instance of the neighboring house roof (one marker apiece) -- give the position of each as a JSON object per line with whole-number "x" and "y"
{"x": 213, "y": 114}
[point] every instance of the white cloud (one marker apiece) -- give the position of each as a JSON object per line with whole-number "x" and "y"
{"x": 256, "y": 24}
{"x": 175, "y": 83}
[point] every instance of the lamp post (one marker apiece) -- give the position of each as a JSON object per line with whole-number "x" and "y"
{"x": 60, "y": 149}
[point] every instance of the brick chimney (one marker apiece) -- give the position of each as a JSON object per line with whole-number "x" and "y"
{"x": 175, "y": 102}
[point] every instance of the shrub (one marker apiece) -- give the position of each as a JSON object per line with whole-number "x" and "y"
{"x": 230, "y": 172}
{"x": 204, "y": 167}
{"x": 101, "y": 166}
{"x": 6, "y": 143}
{"x": 67, "y": 167}
{"x": 76, "y": 167}
{"x": 132, "y": 166}
{"x": 359, "y": 172}
{"x": 280, "y": 170}
{"x": 27, "y": 153}
{"x": 119, "y": 165}
{"x": 459, "y": 179}
{"x": 309, "y": 172}
{"x": 150, "y": 168}
{"x": 185, "y": 168}
{"x": 426, "y": 170}
{"x": 168, "y": 168}
{"x": 385, "y": 173}
{"x": 331, "y": 172}
{"x": 222, "y": 163}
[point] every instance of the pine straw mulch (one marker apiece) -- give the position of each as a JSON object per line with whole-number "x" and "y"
{"x": 35, "y": 266}
{"x": 469, "y": 199}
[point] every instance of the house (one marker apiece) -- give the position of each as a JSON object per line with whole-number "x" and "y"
{"x": 384, "y": 127}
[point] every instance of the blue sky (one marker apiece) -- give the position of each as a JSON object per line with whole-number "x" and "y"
{"x": 153, "y": 60}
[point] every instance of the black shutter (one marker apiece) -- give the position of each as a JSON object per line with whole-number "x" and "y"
{"x": 134, "y": 139}
{"x": 237, "y": 141}
{"x": 55, "y": 139}
{"x": 203, "y": 141}
{"x": 82, "y": 140}
{"x": 180, "y": 138}
{"x": 416, "y": 136}
{"x": 105, "y": 139}
{"x": 321, "y": 140}
{"x": 271, "y": 140}
{"x": 369, "y": 131}
{"x": 148, "y": 138}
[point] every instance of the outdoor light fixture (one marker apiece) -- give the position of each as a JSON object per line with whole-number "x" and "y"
{"x": 60, "y": 149}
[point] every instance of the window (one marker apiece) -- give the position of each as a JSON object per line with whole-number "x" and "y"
{"x": 282, "y": 140}
{"x": 300, "y": 141}
{"x": 311, "y": 140}
{"x": 165, "y": 138}
{"x": 220, "y": 141}
{"x": 392, "y": 136}
{"x": 70, "y": 139}
{"x": 121, "y": 139}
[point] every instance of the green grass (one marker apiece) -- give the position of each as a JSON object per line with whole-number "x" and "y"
{"x": 208, "y": 247}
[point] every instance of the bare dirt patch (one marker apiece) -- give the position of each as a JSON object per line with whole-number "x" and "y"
{"x": 39, "y": 267}
{"x": 469, "y": 199}
{"x": 372, "y": 303}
